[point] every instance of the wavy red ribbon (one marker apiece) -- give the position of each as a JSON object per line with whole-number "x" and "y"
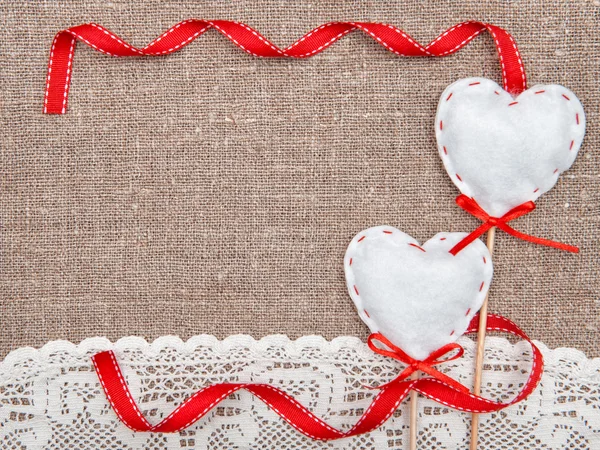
{"x": 381, "y": 408}
{"x": 471, "y": 206}
{"x": 60, "y": 65}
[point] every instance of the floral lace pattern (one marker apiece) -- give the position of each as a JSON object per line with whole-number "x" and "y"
{"x": 51, "y": 398}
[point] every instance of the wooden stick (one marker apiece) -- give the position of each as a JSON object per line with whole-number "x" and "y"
{"x": 414, "y": 395}
{"x": 480, "y": 349}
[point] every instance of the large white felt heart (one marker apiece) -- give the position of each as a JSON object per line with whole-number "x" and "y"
{"x": 504, "y": 151}
{"x": 419, "y": 297}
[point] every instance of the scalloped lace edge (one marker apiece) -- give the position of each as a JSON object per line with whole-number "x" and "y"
{"x": 260, "y": 346}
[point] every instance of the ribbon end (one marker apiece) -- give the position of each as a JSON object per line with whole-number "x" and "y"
{"x": 457, "y": 248}
{"x": 468, "y": 239}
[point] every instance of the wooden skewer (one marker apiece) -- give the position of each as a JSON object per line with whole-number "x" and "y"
{"x": 413, "y": 414}
{"x": 480, "y": 349}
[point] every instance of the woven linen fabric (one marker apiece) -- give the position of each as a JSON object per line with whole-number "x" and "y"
{"x": 213, "y": 192}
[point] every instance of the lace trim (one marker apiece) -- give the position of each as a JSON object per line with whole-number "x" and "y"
{"x": 51, "y": 397}
{"x": 261, "y": 347}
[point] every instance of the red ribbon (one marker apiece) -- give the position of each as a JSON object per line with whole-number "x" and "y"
{"x": 60, "y": 65}
{"x": 440, "y": 388}
{"x": 425, "y": 366}
{"x": 471, "y": 206}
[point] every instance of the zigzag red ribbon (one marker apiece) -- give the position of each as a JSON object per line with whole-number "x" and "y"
{"x": 382, "y": 407}
{"x": 395, "y": 40}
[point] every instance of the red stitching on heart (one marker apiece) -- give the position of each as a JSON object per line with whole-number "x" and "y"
{"x": 475, "y": 84}
{"x": 448, "y": 98}
{"x": 571, "y": 145}
{"x": 361, "y": 239}
{"x": 387, "y": 232}
{"x": 350, "y": 261}
{"x": 441, "y": 125}
{"x": 452, "y": 333}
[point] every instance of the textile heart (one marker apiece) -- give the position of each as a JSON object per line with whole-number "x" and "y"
{"x": 419, "y": 297}
{"x": 504, "y": 151}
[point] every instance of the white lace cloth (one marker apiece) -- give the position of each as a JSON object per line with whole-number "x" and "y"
{"x": 51, "y": 398}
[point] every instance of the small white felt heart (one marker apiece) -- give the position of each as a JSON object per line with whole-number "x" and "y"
{"x": 419, "y": 297}
{"x": 504, "y": 151}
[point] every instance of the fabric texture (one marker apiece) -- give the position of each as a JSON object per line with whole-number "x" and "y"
{"x": 213, "y": 192}
{"x": 419, "y": 297}
{"x": 52, "y": 399}
{"x": 504, "y": 151}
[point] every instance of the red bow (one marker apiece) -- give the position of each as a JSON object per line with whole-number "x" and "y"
{"x": 471, "y": 206}
{"x": 425, "y": 366}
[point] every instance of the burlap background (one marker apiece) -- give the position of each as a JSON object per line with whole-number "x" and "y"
{"x": 213, "y": 192}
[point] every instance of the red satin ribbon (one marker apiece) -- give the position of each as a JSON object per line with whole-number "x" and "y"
{"x": 60, "y": 65}
{"x": 381, "y": 408}
{"x": 471, "y": 206}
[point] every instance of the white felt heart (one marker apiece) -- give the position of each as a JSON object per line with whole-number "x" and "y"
{"x": 419, "y": 297}
{"x": 504, "y": 151}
